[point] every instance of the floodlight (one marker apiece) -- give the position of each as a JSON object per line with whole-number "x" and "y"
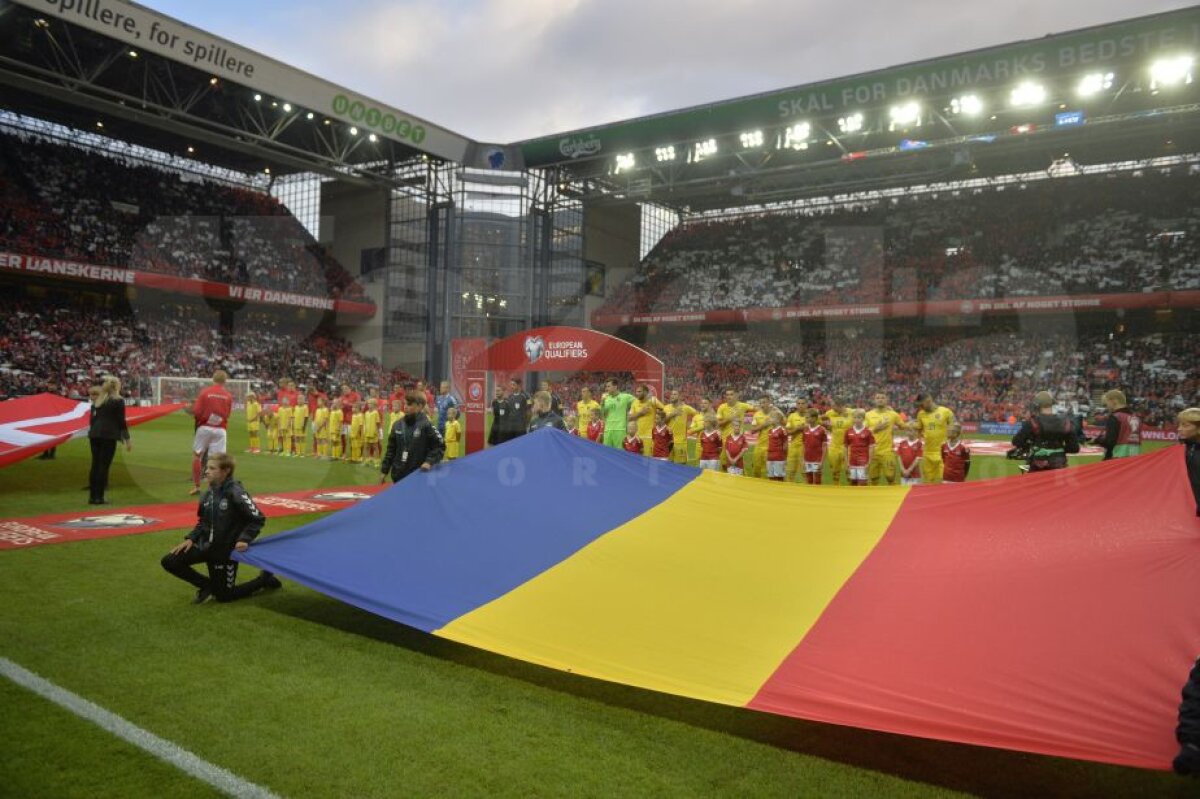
{"x": 353, "y": 131}
{"x": 372, "y": 138}
{"x": 258, "y": 98}
{"x": 851, "y": 123}
{"x": 1027, "y": 94}
{"x": 133, "y": 53}
{"x": 665, "y": 153}
{"x": 751, "y": 139}
{"x": 1171, "y": 72}
{"x": 625, "y": 162}
{"x": 309, "y": 115}
{"x": 287, "y": 106}
{"x": 191, "y": 149}
{"x": 1094, "y": 82}
{"x": 905, "y": 115}
{"x": 796, "y": 136}
{"x": 213, "y": 81}
{"x": 704, "y": 149}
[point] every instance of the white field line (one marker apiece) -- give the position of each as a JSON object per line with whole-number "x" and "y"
{"x": 221, "y": 779}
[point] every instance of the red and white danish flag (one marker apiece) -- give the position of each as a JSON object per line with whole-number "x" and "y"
{"x": 29, "y": 425}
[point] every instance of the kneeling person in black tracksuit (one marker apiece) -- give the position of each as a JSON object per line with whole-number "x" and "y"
{"x": 413, "y": 442}
{"x": 229, "y": 520}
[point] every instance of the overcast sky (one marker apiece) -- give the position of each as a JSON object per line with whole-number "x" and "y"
{"x": 504, "y": 70}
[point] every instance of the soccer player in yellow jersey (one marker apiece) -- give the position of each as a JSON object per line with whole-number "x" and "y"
{"x": 394, "y": 415}
{"x": 726, "y": 411}
{"x": 271, "y": 422}
{"x": 641, "y": 410}
{"x": 932, "y": 421}
{"x": 299, "y": 426}
{"x": 795, "y": 428}
{"x": 335, "y": 431}
{"x": 882, "y": 420}
{"x": 838, "y": 420}
{"x": 678, "y": 413}
{"x": 285, "y": 426}
{"x": 321, "y": 428}
{"x": 586, "y": 409}
{"x": 762, "y": 424}
{"x": 356, "y": 432}
{"x": 371, "y": 435}
{"x": 253, "y": 414}
{"x": 453, "y": 436}
{"x": 696, "y": 429}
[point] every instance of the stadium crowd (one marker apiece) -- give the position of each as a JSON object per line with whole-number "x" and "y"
{"x": 1078, "y": 235}
{"x": 63, "y": 343}
{"x": 75, "y": 204}
{"x": 983, "y": 377}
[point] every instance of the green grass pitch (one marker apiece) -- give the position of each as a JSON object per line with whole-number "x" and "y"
{"x": 310, "y": 697}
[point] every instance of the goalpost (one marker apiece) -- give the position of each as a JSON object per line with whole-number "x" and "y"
{"x": 184, "y": 389}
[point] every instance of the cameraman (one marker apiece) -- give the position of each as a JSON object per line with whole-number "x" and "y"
{"x": 1048, "y": 437}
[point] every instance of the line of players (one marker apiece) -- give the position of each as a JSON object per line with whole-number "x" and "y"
{"x": 858, "y": 445}
{"x": 352, "y": 430}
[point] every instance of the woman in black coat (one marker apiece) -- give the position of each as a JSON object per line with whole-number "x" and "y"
{"x": 107, "y": 427}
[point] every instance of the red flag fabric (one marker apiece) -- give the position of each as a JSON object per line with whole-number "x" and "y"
{"x": 29, "y": 425}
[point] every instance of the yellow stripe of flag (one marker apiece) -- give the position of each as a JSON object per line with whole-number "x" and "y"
{"x": 702, "y": 596}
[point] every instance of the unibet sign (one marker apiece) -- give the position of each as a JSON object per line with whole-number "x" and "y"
{"x": 372, "y": 118}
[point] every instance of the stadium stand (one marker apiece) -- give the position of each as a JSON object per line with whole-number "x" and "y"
{"x": 67, "y": 202}
{"x": 983, "y": 377}
{"x": 63, "y": 341}
{"x": 1078, "y": 235}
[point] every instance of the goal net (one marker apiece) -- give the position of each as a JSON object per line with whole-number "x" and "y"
{"x": 185, "y": 389}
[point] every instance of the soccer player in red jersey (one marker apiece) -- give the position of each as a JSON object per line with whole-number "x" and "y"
{"x": 910, "y": 450}
{"x": 211, "y": 412}
{"x": 816, "y": 446}
{"x": 956, "y": 456}
{"x": 710, "y": 444}
{"x": 777, "y": 447}
{"x": 662, "y": 436}
{"x": 632, "y": 442}
{"x": 735, "y": 447}
{"x": 860, "y": 446}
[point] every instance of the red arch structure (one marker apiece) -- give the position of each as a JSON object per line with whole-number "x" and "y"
{"x": 552, "y": 349}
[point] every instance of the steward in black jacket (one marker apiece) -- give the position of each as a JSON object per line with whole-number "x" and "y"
{"x": 227, "y": 520}
{"x": 413, "y": 443}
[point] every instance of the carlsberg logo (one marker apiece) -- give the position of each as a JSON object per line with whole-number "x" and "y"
{"x": 574, "y": 147}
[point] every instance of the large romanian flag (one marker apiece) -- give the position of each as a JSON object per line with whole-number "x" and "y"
{"x": 1052, "y": 613}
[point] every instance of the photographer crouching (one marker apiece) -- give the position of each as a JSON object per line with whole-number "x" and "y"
{"x": 1045, "y": 438}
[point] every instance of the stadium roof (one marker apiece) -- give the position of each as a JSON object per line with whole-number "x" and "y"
{"x": 133, "y": 74}
{"x": 137, "y": 75}
{"x": 1108, "y": 93}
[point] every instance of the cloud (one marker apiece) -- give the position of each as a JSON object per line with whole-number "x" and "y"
{"x": 502, "y": 70}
